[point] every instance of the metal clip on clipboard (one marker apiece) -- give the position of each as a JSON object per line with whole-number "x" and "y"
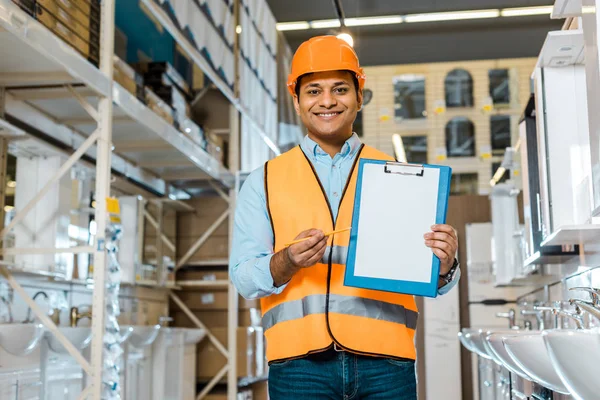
{"x": 400, "y": 168}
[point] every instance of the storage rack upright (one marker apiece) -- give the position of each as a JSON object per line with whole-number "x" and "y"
{"x": 55, "y": 102}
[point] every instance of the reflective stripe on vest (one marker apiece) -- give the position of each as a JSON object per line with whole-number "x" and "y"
{"x": 356, "y": 306}
{"x": 337, "y": 257}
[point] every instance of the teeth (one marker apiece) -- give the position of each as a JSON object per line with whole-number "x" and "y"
{"x": 328, "y": 115}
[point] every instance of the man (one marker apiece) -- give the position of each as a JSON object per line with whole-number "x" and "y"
{"x": 324, "y": 340}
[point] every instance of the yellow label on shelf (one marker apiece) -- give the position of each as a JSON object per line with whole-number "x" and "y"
{"x": 138, "y": 277}
{"x": 112, "y": 205}
{"x": 439, "y": 110}
{"x": 515, "y": 172}
{"x": 488, "y": 107}
{"x": 486, "y": 156}
{"x": 440, "y": 158}
{"x": 384, "y": 118}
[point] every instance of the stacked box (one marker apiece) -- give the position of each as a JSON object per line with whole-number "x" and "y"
{"x": 77, "y": 22}
{"x": 127, "y": 77}
{"x": 157, "y": 105}
{"x": 169, "y": 85}
{"x": 195, "y": 133}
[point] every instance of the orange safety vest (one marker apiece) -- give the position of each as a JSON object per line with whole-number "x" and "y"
{"x": 316, "y": 310}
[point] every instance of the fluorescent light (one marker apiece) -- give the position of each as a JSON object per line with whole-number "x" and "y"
{"x": 588, "y": 9}
{"x": 365, "y": 21}
{"x": 346, "y": 38}
{"x": 524, "y": 11}
{"x": 8, "y": 208}
{"x": 452, "y": 16}
{"x": 398, "y": 148}
{"x": 325, "y": 23}
{"x": 11, "y": 184}
{"x": 293, "y": 26}
{"x": 238, "y": 29}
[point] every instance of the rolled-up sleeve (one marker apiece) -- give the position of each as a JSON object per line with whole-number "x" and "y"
{"x": 446, "y": 288}
{"x": 252, "y": 242}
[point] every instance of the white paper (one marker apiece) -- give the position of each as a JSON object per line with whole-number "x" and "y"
{"x": 396, "y": 210}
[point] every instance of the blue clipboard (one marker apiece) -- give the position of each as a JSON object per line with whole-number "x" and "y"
{"x": 394, "y": 206}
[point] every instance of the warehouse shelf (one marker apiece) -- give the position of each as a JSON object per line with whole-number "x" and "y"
{"x": 38, "y": 57}
{"x": 207, "y": 263}
{"x": 541, "y": 257}
{"x": 561, "y": 49}
{"x": 247, "y": 381}
{"x": 566, "y": 9}
{"x": 201, "y": 62}
{"x": 203, "y": 284}
{"x": 573, "y": 234}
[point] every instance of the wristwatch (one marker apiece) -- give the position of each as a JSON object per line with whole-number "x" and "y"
{"x": 449, "y": 277}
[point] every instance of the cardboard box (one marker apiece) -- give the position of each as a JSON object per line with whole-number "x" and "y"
{"x": 156, "y": 104}
{"x": 217, "y": 319}
{"x": 213, "y": 300}
{"x": 210, "y": 360}
{"x": 155, "y": 71}
{"x": 202, "y": 275}
{"x": 127, "y": 77}
{"x": 260, "y": 391}
{"x": 89, "y": 51}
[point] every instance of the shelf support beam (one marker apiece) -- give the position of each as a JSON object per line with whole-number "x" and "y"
{"x": 164, "y": 238}
{"x": 84, "y": 103}
{"x": 57, "y": 250}
{"x": 213, "y": 382}
{"x": 202, "y": 239}
{"x": 3, "y": 159}
{"x": 59, "y": 174}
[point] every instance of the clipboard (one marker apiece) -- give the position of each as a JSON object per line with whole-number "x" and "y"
{"x": 394, "y": 206}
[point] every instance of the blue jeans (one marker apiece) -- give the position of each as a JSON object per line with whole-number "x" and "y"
{"x": 343, "y": 376}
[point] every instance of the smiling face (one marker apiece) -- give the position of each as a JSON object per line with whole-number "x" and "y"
{"x": 327, "y": 104}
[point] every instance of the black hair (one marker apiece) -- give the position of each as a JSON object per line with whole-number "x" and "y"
{"x": 354, "y": 79}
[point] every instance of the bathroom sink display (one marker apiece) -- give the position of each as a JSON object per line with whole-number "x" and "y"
{"x": 529, "y": 352}
{"x": 143, "y": 336}
{"x": 465, "y": 339}
{"x": 575, "y": 355}
{"x": 20, "y": 339}
{"x": 192, "y": 336}
{"x": 125, "y": 333}
{"x": 79, "y": 336}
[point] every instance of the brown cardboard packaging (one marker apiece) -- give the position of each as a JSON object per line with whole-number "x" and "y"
{"x": 210, "y": 360}
{"x": 158, "y": 106}
{"x": 213, "y": 300}
{"x": 125, "y": 76}
{"x": 217, "y": 319}
{"x": 243, "y": 394}
{"x": 202, "y": 275}
{"x": 260, "y": 391}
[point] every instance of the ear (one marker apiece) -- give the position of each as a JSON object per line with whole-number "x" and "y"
{"x": 297, "y": 105}
{"x": 359, "y": 98}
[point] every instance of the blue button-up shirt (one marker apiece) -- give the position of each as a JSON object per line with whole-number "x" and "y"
{"x": 252, "y": 244}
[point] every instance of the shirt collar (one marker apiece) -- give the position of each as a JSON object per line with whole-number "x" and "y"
{"x": 312, "y": 149}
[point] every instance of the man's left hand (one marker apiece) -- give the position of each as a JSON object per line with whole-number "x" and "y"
{"x": 444, "y": 243}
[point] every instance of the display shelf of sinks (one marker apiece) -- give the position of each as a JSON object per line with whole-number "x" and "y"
{"x": 143, "y": 336}
{"x": 496, "y": 345}
{"x": 575, "y": 355}
{"x": 79, "y": 336}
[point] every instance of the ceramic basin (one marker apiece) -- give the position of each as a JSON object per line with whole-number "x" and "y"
{"x": 575, "y": 355}
{"x": 465, "y": 339}
{"x": 79, "y": 336}
{"x": 20, "y": 339}
{"x": 143, "y": 336}
{"x": 193, "y": 336}
{"x": 529, "y": 352}
{"x": 124, "y": 333}
{"x": 496, "y": 345}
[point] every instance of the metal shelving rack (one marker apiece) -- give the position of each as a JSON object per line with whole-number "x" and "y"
{"x": 53, "y": 101}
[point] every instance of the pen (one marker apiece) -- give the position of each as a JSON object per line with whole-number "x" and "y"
{"x": 327, "y": 234}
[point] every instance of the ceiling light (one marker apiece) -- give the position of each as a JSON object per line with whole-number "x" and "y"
{"x": 523, "y": 11}
{"x": 346, "y": 37}
{"x": 325, "y": 23}
{"x": 238, "y": 29}
{"x": 452, "y": 16}
{"x": 398, "y": 148}
{"x": 11, "y": 184}
{"x": 8, "y": 208}
{"x": 366, "y": 21}
{"x": 588, "y": 9}
{"x": 293, "y": 26}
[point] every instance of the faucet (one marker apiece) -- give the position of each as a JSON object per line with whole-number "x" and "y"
{"x": 594, "y": 293}
{"x": 53, "y": 313}
{"x": 538, "y": 314}
{"x": 591, "y": 308}
{"x": 510, "y": 315}
{"x": 76, "y": 315}
{"x": 6, "y": 301}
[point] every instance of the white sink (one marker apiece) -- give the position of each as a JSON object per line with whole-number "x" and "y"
{"x": 143, "y": 336}
{"x": 496, "y": 345}
{"x": 576, "y": 355}
{"x": 20, "y": 339}
{"x": 193, "y": 336}
{"x": 79, "y": 336}
{"x": 125, "y": 333}
{"x": 465, "y": 339}
{"x": 529, "y": 352}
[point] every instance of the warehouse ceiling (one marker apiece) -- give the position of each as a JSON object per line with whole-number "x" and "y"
{"x": 473, "y": 39}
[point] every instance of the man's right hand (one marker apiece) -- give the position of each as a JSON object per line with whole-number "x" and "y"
{"x": 285, "y": 263}
{"x": 310, "y": 251}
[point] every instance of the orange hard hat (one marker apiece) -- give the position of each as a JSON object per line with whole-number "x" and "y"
{"x": 324, "y": 53}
